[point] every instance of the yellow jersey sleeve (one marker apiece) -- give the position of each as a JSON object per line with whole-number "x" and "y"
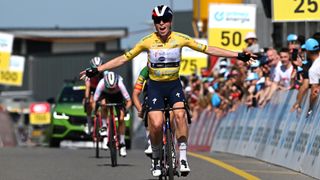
{"x": 191, "y": 43}
{"x": 138, "y": 48}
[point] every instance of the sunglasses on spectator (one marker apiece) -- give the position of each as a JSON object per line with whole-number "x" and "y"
{"x": 164, "y": 19}
{"x": 292, "y": 42}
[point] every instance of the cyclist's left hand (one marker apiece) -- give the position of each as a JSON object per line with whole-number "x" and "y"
{"x": 246, "y": 57}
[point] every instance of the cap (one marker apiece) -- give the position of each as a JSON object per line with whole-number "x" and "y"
{"x": 250, "y": 35}
{"x": 255, "y": 64}
{"x": 312, "y": 45}
{"x": 252, "y": 76}
{"x": 292, "y": 37}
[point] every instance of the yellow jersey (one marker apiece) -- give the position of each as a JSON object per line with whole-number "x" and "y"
{"x": 164, "y": 57}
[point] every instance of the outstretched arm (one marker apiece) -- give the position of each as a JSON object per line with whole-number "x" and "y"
{"x": 215, "y": 51}
{"x": 113, "y": 63}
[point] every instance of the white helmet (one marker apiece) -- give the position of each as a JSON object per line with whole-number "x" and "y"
{"x": 110, "y": 79}
{"x": 95, "y": 62}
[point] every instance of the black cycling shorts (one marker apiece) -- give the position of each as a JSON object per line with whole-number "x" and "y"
{"x": 113, "y": 98}
{"x": 157, "y": 91}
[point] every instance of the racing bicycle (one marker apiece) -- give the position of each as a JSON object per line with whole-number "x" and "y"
{"x": 168, "y": 161}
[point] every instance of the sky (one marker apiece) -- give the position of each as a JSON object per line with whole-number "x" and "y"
{"x": 133, "y": 14}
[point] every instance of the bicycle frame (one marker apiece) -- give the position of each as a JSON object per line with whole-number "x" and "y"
{"x": 112, "y": 129}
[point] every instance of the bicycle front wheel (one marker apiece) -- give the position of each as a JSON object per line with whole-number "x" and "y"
{"x": 169, "y": 154}
{"x": 97, "y": 137}
{"x": 113, "y": 145}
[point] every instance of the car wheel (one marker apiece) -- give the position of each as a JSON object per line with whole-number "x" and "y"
{"x": 55, "y": 143}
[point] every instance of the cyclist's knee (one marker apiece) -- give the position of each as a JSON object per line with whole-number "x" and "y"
{"x": 179, "y": 115}
{"x": 155, "y": 120}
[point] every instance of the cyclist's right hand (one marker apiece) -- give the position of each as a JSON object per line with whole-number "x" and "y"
{"x": 140, "y": 114}
{"x": 89, "y": 72}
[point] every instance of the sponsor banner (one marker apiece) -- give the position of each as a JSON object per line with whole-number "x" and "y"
{"x": 229, "y": 24}
{"x": 13, "y": 76}
{"x": 297, "y": 10}
{"x": 40, "y": 113}
{"x": 6, "y": 43}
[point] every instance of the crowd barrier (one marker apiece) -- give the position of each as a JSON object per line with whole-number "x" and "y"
{"x": 272, "y": 134}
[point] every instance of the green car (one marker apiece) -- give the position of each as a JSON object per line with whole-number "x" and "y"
{"x": 68, "y": 118}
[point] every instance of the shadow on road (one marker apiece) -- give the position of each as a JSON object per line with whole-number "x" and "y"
{"x": 121, "y": 165}
{"x": 101, "y": 157}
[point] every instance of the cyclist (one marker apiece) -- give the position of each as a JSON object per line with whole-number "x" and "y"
{"x": 91, "y": 85}
{"x": 111, "y": 89}
{"x": 141, "y": 86}
{"x": 164, "y": 55}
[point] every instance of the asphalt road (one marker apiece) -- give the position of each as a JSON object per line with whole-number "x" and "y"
{"x": 41, "y": 163}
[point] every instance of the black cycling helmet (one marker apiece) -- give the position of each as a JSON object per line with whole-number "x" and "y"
{"x": 163, "y": 13}
{"x": 110, "y": 79}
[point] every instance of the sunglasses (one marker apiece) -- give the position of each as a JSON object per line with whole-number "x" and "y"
{"x": 292, "y": 42}
{"x": 164, "y": 19}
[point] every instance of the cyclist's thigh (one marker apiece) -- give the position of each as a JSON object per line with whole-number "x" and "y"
{"x": 176, "y": 94}
{"x": 155, "y": 93}
{"x": 102, "y": 101}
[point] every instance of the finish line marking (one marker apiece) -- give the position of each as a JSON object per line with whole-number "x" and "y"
{"x": 228, "y": 167}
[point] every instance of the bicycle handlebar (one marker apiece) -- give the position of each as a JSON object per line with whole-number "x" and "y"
{"x": 111, "y": 104}
{"x": 186, "y": 108}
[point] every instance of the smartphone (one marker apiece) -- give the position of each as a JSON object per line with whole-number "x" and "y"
{"x": 294, "y": 55}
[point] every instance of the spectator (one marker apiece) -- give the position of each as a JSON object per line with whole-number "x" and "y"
{"x": 305, "y": 64}
{"x": 292, "y": 40}
{"x": 283, "y": 74}
{"x": 274, "y": 61}
{"x": 252, "y": 43}
{"x": 313, "y": 49}
{"x": 251, "y": 82}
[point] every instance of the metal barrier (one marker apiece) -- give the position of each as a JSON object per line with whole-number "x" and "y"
{"x": 273, "y": 133}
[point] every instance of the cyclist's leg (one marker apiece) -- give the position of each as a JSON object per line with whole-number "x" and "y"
{"x": 155, "y": 122}
{"x": 155, "y": 127}
{"x": 89, "y": 114}
{"x": 177, "y": 99}
{"x": 104, "y": 113}
{"x": 122, "y": 129}
{"x": 122, "y": 126}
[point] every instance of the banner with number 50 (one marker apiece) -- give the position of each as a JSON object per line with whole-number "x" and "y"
{"x": 229, "y": 24}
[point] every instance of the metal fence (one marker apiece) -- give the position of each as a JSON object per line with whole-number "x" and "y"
{"x": 273, "y": 133}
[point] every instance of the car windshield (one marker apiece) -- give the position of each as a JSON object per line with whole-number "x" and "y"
{"x": 72, "y": 95}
